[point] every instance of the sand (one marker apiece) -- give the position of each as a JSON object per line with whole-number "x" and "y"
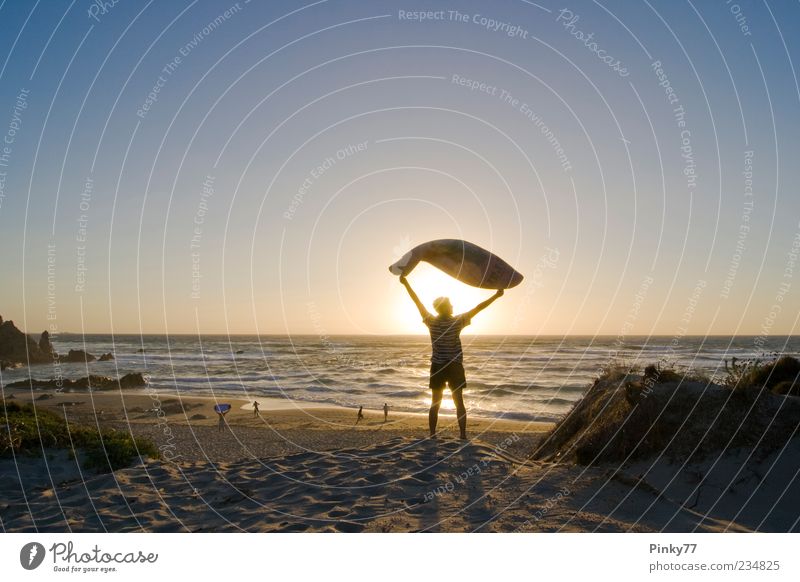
{"x": 312, "y": 469}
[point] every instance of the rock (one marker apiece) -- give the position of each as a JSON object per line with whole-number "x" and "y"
{"x": 77, "y": 356}
{"x": 239, "y": 351}
{"x": 18, "y": 348}
{"x": 44, "y": 397}
{"x": 132, "y": 380}
{"x": 86, "y": 384}
{"x": 198, "y": 417}
{"x": 44, "y": 343}
{"x": 106, "y": 357}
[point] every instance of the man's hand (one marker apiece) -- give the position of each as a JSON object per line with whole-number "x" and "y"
{"x": 500, "y": 293}
{"x": 403, "y": 280}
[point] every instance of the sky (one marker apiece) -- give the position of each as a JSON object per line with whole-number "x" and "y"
{"x": 254, "y": 167}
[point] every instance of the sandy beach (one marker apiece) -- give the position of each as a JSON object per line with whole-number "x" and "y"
{"x": 308, "y": 457}
{"x": 313, "y": 469}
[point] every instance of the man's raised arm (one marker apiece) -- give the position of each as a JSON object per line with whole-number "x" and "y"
{"x": 422, "y": 311}
{"x": 483, "y": 305}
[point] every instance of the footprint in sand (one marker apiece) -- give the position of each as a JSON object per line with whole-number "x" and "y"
{"x": 338, "y": 512}
{"x": 348, "y": 527}
{"x": 293, "y": 528}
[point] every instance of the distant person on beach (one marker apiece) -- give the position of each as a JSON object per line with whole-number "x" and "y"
{"x": 360, "y": 416}
{"x": 222, "y": 425}
{"x": 446, "y": 355}
{"x": 385, "y": 411}
{"x": 255, "y": 407}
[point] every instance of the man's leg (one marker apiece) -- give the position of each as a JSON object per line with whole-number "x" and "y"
{"x": 458, "y": 382}
{"x": 461, "y": 411}
{"x": 433, "y": 414}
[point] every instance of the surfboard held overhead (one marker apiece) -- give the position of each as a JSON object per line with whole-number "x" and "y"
{"x": 462, "y": 260}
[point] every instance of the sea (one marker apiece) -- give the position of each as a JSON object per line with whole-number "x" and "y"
{"x": 513, "y": 377}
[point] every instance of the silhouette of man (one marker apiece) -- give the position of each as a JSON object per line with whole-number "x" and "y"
{"x": 446, "y": 354}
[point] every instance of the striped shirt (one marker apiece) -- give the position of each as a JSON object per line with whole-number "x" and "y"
{"x": 445, "y": 339}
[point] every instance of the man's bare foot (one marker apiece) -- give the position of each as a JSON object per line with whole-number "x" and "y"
{"x": 463, "y": 436}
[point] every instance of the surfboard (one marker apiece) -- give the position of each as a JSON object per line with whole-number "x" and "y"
{"x": 462, "y": 260}
{"x": 222, "y": 408}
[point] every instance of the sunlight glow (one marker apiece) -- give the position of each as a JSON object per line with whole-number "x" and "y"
{"x": 430, "y": 283}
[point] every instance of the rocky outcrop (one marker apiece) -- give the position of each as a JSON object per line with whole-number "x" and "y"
{"x": 44, "y": 343}
{"x": 78, "y": 356}
{"x": 132, "y": 380}
{"x": 18, "y": 348}
{"x": 87, "y": 384}
{"x": 106, "y": 357}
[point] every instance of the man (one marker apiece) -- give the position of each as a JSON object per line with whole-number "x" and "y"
{"x": 446, "y": 355}
{"x": 222, "y": 425}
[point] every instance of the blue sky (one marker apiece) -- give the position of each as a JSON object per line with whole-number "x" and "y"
{"x": 529, "y": 144}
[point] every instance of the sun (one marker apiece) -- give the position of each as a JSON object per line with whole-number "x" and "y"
{"x": 430, "y": 283}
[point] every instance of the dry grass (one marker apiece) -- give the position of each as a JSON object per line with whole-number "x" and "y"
{"x": 628, "y": 416}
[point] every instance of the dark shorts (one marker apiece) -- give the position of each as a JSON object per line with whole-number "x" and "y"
{"x": 451, "y": 372}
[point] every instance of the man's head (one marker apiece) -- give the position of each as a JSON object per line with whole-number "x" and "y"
{"x": 443, "y": 306}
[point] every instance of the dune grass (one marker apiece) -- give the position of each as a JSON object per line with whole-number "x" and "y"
{"x": 626, "y": 415}
{"x": 25, "y": 430}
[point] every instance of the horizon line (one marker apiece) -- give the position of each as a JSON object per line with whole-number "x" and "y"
{"x": 422, "y": 334}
